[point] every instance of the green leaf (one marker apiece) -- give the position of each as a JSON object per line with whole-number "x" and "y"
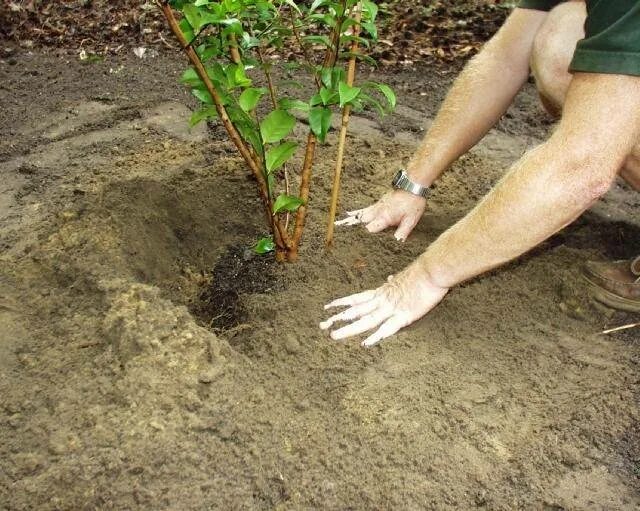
{"x": 293, "y": 104}
{"x": 320, "y": 121}
{"x": 286, "y": 203}
{"x": 190, "y": 77}
{"x": 293, "y": 5}
{"x": 366, "y": 99}
{"x": 370, "y": 9}
{"x": 347, "y": 93}
{"x": 215, "y": 72}
{"x": 198, "y": 116}
{"x": 203, "y": 95}
{"x": 246, "y": 126}
{"x": 327, "y": 96}
{"x": 371, "y": 29}
{"x": 291, "y": 83}
{"x": 264, "y": 246}
{"x": 186, "y": 30}
{"x": 277, "y": 125}
{"x": 250, "y": 97}
{"x": 235, "y": 76}
{"x": 318, "y": 39}
{"x": 317, "y": 3}
{"x": 193, "y": 15}
{"x": 388, "y": 93}
{"x": 278, "y": 155}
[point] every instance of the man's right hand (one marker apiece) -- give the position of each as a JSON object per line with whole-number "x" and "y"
{"x": 395, "y": 209}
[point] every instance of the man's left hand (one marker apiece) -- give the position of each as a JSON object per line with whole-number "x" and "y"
{"x": 405, "y": 298}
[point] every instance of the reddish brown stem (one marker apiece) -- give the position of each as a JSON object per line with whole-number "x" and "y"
{"x": 301, "y": 214}
{"x": 346, "y": 111}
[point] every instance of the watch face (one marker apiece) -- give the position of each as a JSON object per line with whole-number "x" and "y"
{"x": 396, "y": 178}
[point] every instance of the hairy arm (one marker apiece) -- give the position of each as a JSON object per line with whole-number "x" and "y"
{"x": 546, "y": 190}
{"x": 479, "y": 96}
{"x": 550, "y": 186}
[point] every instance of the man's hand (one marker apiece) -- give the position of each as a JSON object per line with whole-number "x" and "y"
{"x": 405, "y": 298}
{"x": 396, "y": 208}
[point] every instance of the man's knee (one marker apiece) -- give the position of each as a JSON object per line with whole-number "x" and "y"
{"x": 553, "y": 49}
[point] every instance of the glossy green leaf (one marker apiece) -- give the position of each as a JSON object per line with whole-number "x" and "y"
{"x": 368, "y": 100}
{"x": 293, "y": 104}
{"x": 286, "y": 203}
{"x": 388, "y": 94}
{"x": 320, "y": 121}
{"x": 278, "y": 155}
{"x": 264, "y": 246}
{"x": 203, "y": 95}
{"x": 370, "y": 9}
{"x": 276, "y": 126}
{"x": 293, "y": 5}
{"x": 347, "y": 93}
{"x": 250, "y": 97}
{"x": 190, "y": 77}
{"x": 318, "y": 39}
{"x": 371, "y": 29}
{"x": 317, "y": 3}
{"x": 327, "y": 96}
{"x": 186, "y": 30}
{"x": 198, "y": 116}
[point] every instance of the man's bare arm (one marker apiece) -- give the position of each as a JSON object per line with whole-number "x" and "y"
{"x": 546, "y": 190}
{"x": 549, "y": 187}
{"x": 478, "y": 98}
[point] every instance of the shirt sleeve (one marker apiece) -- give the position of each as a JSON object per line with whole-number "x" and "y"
{"x": 540, "y": 5}
{"x": 612, "y": 39}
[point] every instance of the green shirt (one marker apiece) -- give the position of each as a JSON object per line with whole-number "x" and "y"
{"x": 612, "y": 36}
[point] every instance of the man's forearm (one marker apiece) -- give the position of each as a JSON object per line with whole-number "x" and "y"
{"x": 479, "y": 97}
{"x": 549, "y": 187}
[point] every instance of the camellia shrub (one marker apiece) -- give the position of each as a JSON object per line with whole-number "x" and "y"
{"x": 239, "y": 77}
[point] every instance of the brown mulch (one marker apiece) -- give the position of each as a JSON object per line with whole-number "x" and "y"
{"x": 419, "y": 31}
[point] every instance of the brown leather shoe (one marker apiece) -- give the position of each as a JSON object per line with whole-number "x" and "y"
{"x": 616, "y": 284}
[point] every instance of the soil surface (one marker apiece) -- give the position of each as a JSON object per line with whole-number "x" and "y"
{"x": 149, "y": 361}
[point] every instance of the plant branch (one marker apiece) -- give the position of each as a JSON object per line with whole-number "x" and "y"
{"x": 346, "y": 111}
{"x": 251, "y": 160}
{"x": 304, "y": 195}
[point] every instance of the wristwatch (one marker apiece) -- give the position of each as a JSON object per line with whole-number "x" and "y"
{"x": 401, "y": 181}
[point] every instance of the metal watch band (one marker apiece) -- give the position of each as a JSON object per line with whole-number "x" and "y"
{"x": 401, "y": 181}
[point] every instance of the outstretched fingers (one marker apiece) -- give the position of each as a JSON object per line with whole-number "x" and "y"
{"x": 365, "y": 323}
{"x": 358, "y": 216}
{"x": 387, "y": 329}
{"x": 351, "y": 313}
{"x": 350, "y": 300}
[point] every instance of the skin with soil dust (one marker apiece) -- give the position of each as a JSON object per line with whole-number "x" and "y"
{"x": 146, "y": 364}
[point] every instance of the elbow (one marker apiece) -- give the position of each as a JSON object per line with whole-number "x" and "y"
{"x": 590, "y": 175}
{"x": 586, "y": 173}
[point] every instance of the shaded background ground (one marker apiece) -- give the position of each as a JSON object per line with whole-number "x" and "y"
{"x": 127, "y": 381}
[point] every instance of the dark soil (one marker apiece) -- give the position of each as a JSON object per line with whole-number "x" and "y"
{"x": 411, "y": 32}
{"x": 123, "y": 241}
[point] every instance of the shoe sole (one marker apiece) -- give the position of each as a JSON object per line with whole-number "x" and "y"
{"x": 612, "y": 300}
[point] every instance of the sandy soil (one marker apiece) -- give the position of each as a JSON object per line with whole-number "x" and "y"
{"x": 148, "y": 361}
